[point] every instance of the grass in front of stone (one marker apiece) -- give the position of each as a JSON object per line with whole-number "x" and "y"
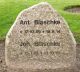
{"x": 9, "y": 9}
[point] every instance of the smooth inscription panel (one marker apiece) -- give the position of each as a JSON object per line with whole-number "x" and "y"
{"x": 40, "y": 39}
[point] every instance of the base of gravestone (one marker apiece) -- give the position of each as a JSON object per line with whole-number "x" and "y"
{"x": 44, "y": 70}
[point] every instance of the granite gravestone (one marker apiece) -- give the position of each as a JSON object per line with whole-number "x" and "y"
{"x": 40, "y": 39}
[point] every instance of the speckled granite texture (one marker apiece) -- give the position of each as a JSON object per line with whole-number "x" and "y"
{"x": 40, "y": 39}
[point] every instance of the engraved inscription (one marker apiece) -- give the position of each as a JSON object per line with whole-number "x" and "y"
{"x": 40, "y": 22}
{"x": 40, "y": 43}
{"x": 42, "y": 31}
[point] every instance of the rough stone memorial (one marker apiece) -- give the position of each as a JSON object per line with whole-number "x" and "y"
{"x": 40, "y": 39}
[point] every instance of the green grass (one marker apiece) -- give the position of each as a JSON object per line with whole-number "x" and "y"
{"x": 9, "y": 9}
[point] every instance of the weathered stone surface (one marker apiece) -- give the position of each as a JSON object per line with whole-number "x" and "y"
{"x": 40, "y": 39}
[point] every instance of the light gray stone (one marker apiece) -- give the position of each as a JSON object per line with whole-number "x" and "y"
{"x": 40, "y": 39}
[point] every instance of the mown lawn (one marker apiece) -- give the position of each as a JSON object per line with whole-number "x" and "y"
{"x": 9, "y": 9}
